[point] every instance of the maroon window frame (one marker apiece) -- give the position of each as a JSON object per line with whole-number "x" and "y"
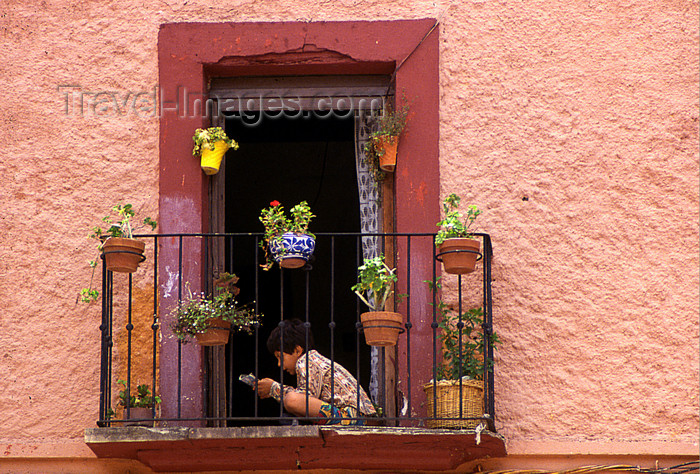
{"x": 190, "y": 53}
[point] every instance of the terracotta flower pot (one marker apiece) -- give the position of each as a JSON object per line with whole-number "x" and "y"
{"x": 123, "y": 255}
{"x": 387, "y": 162}
{"x": 136, "y": 413}
{"x": 217, "y": 334}
{"x": 211, "y": 159}
{"x": 293, "y": 250}
{"x": 381, "y": 328}
{"x": 459, "y": 255}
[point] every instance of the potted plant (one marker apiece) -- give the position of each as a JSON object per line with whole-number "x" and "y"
{"x": 137, "y": 406}
{"x": 380, "y": 149}
{"x": 374, "y": 287}
{"x": 287, "y": 240}
{"x": 210, "y": 319}
{"x": 462, "y": 359}
{"x": 457, "y": 248}
{"x": 211, "y": 144}
{"x": 117, "y": 245}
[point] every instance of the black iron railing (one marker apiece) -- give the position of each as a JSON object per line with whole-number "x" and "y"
{"x": 199, "y": 386}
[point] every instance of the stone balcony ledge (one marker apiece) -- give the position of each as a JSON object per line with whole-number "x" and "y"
{"x": 294, "y": 447}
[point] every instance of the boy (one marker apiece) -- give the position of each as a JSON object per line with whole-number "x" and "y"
{"x": 341, "y": 409}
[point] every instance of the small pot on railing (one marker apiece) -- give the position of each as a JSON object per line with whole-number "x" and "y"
{"x": 210, "y": 319}
{"x": 459, "y": 255}
{"x": 375, "y": 280}
{"x": 123, "y": 255}
{"x": 457, "y": 250}
{"x": 292, "y": 250}
{"x": 381, "y": 328}
{"x": 217, "y": 334}
{"x": 142, "y": 414}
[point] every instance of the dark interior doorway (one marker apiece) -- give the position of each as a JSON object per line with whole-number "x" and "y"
{"x": 292, "y": 159}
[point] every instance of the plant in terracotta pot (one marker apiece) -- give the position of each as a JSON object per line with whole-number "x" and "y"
{"x": 374, "y": 287}
{"x": 462, "y": 347}
{"x": 138, "y": 404}
{"x": 457, "y": 247}
{"x": 117, "y": 245}
{"x": 211, "y": 144}
{"x": 287, "y": 240}
{"x": 380, "y": 149}
{"x": 210, "y": 319}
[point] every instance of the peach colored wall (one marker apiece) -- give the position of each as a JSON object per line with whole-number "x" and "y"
{"x": 573, "y": 125}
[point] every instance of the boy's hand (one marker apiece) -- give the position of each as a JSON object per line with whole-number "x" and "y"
{"x": 264, "y": 386}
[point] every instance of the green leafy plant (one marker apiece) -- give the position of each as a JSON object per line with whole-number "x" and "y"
{"x": 119, "y": 224}
{"x": 375, "y": 280}
{"x": 141, "y": 399}
{"x": 392, "y": 122}
{"x": 391, "y": 125}
{"x": 466, "y": 359}
{"x": 454, "y": 224}
{"x": 194, "y": 314}
{"x": 277, "y": 224}
{"x": 205, "y": 139}
{"x": 116, "y": 224}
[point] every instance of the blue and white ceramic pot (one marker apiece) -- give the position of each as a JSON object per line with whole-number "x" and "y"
{"x": 292, "y": 250}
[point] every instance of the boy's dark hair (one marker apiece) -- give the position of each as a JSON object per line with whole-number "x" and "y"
{"x": 294, "y": 332}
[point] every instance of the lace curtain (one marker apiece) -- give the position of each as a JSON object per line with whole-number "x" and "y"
{"x": 370, "y": 216}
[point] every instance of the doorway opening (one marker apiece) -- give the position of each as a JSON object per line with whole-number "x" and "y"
{"x": 292, "y": 158}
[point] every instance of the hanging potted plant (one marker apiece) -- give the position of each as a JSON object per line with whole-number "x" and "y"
{"x": 117, "y": 245}
{"x": 211, "y": 144}
{"x": 462, "y": 358}
{"x": 138, "y": 406}
{"x": 287, "y": 240}
{"x": 381, "y": 148}
{"x": 457, "y": 248}
{"x": 210, "y": 319}
{"x": 374, "y": 287}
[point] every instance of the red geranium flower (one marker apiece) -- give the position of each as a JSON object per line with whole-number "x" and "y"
{"x": 275, "y": 203}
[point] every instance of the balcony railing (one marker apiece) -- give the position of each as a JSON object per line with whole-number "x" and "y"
{"x": 199, "y": 386}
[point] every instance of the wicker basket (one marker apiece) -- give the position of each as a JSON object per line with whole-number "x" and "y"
{"x": 447, "y": 401}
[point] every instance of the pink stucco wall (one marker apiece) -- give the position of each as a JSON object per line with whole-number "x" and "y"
{"x": 573, "y": 125}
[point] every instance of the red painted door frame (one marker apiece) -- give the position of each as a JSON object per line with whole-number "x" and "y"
{"x": 190, "y": 53}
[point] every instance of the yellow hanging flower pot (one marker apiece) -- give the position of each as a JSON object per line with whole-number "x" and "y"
{"x": 212, "y": 144}
{"x": 211, "y": 159}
